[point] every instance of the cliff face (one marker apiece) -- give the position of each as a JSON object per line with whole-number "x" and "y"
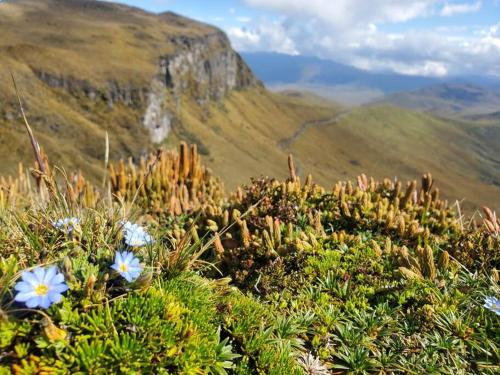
{"x": 113, "y": 92}
{"x": 203, "y": 68}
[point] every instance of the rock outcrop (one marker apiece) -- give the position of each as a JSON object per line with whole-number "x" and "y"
{"x": 113, "y": 92}
{"x": 158, "y": 117}
{"x": 204, "y": 68}
{"x": 207, "y": 68}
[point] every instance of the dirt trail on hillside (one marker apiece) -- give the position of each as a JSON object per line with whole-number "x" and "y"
{"x": 285, "y": 143}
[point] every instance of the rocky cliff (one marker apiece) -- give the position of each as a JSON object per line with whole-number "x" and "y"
{"x": 204, "y": 68}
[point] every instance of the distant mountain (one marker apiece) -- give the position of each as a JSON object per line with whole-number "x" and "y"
{"x": 345, "y": 83}
{"x": 449, "y": 98}
{"x": 276, "y": 68}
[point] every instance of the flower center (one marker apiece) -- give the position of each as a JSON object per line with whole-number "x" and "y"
{"x": 123, "y": 267}
{"x": 42, "y": 289}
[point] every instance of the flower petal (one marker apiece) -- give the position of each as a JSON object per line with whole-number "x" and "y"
{"x": 57, "y": 279}
{"x": 127, "y": 225}
{"x": 134, "y": 262}
{"x": 118, "y": 258}
{"x": 129, "y": 256}
{"x": 54, "y": 297}
{"x": 30, "y": 278}
{"x": 23, "y": 286}
{"x": 44, "y": 302}
{"x": 58, "y": 288}
{"x": 116, "y": 267}
{"x": 33, "y": 302}
{"x": 39, "y": 274}
{"x": 49, "y": 274}
{"x": 24, "y": 296}
{"x": 135, "y": 269}
{"x": 134, "y": 275}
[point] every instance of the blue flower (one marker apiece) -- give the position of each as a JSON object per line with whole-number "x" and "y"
{"x": 492, "y": 304}
{"x": 135, "y": 235}
{"x": 127, "y": 265}
{"x": 40, "y": 288}
{"x": 67, "y": 224}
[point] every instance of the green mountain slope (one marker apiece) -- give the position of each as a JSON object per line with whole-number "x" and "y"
{"x": 448, "y": 98}
{"x": 390, "y": 141}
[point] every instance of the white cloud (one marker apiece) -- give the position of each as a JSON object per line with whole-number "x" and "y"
{"x": 348, "y": 12}
{"x": 493, "y": 31}
{"x": 265, "y": 37}
{"x": 355, "y": 32}
{"x": 453, "y": 9}
{"x": 243, "y": 19}
{"x": 424, "y": 68}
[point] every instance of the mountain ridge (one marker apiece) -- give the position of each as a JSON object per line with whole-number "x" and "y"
{"x": 306, "y": 69}
{"x": 345, "y": 83}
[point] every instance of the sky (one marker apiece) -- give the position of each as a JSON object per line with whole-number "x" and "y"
{"x": 415, "y": 37}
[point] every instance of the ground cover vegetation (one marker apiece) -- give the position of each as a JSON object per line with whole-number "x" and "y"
{"x": 161, "y": 271}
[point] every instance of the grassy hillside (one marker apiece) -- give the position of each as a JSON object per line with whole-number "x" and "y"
{"x": 394, "y": 142}
{"x": 103, "y": 44}
{"x": 241, "y": 135}
{"x": 448, "y": 98}
{"x": 95, "y": 40}
{"x": 86, "y": 43}
{"x": 247, "y": 136}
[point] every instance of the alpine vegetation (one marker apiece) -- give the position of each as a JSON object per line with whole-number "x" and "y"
{"x": 279, "y": 277}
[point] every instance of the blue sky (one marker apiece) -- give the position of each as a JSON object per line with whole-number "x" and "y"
{"x": 424, "y": 37}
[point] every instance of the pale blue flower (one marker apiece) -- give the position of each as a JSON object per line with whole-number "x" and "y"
{"x": 492, "y": 304}
{"x": 135, "y": 235}
{"x": 67, "y": 224}
{"x": 127, "y": 265}
{"x": 40, "y": 288}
